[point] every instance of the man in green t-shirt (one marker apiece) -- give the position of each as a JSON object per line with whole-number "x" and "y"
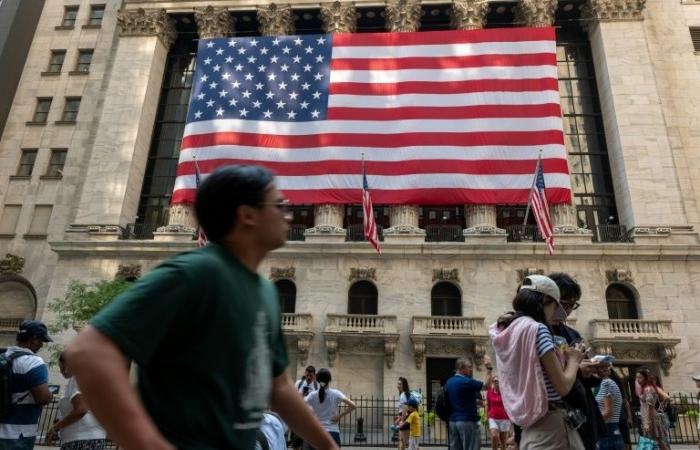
{"x": 204, "y": 329}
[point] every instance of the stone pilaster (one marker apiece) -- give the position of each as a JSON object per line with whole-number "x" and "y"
{"x": 275, "y": 19}
{"x": 112, "y": 188}
{"x": 566, "y": 229}
{"x": 328, "y": 224}
{"x": 481, "y": 224}
{"x": 339, "y": 17}
{"x": 469, "y": 14}
{"x": 535, "y": 13}
{"x": 633, "y": 116}
{"x": 213, "y": 22}
{"x": 403, "y": 15}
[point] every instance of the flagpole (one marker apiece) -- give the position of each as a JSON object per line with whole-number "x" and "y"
{"x": 532, "y": 188}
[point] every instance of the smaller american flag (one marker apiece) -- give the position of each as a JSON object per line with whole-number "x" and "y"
{"x": 540, "y": 207}
{"x": 368, "y": 217}
{"x": 201, "y": 237}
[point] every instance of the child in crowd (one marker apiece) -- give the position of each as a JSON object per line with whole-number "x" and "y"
{"x": 412, "y": 423}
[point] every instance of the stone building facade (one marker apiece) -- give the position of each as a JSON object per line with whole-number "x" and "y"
{"x": 88, "y": 154}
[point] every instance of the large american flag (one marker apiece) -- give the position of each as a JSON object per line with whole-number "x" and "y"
{"x": 446, "y": 117}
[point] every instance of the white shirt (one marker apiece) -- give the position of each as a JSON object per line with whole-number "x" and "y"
{"x": 273, "y": 429}
{"x": 328, "y": 409}
{"x": 85, "y": 428}
{"x": 301, "y": 384}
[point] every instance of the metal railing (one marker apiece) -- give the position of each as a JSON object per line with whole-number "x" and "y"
{"x": 612, "y": 233}
{"x": 360, "y": 323}
{"x": 296, "y": 232}
{"x": 631, "y": 328}
{"x": 356, "y": 233}
{"x": 523, "y": 233}
{"x": 443, "y": 233}
{"x": 448, "y": 325}
{"x": 140, "y": 231}
{"x": 49, "y": 414}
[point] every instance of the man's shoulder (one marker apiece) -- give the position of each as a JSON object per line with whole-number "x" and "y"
{"x": 25, "y": 363}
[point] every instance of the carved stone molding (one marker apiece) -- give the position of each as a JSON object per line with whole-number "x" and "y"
{"x": 142, "y": 22}
{"x": 182, "y": 214}
{"x": 619, "y": 275}
{"x": 275, "y": 19}
{"x": 303, "y": 346}
{"x": 339, "y": 17}
{"x": 328, "y": 219}
{"x": 479, "y": 353}
{"x": 357, "y": 273}
{"x": 445, "y": 275}
{"x": 213, "y": 22}
{"x": 419, "y": 352}
{"x": 389, "y": 353}
{"x": 535, "y": 13}
{"x": 663, "y": 231}
{"x": 403, "y": 15}
{"x": 11, "y": 264}
{"x": 404, "y": 220}
{"x": 469, "y": 14}
{"x": 481, "y": 219}
{"x": 565, "y": 220}
{"x": 359, "y": 347}
{"x": 277, "y": 273}
{"x": 445, "y": 348}
{"x": 668, "y": 354}
{"x": 176, "y": 228}
{"x": 128, "y": 272}
{"x": 332, "y": 349}
{"x": 614, "y": 10}
{"x": 522, "y": 273}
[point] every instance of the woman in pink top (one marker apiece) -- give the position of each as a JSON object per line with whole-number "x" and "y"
{"x": 499, "y": 425}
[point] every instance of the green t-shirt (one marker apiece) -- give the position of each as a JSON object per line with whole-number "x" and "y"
{"x": 205, "y": 332}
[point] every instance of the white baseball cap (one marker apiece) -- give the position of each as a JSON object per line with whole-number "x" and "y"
{"x": 696, "y": 377}
{"x": 546, "y": 286}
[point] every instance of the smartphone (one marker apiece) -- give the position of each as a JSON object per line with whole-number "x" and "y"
{"x": 54, "y": 389}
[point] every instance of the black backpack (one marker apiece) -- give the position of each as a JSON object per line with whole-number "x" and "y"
{"x": 443, "y": 409}
{"x": 6, "y": 403}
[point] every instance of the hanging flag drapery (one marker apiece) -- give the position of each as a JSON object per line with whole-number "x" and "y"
{"x": 201, "y": 237}
{"x": 540, "y": 208}
{"x": 444, "y": 117}
{"x": 368, "y": 221}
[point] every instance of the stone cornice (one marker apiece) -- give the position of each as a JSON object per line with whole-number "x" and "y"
{"x": 157, "y": 250}
{"x": 403, "y": 15}
{"x": 213, "y": 22}
{"x": 536, "y": 13}
{"x": 152, "y": 22}
{"x": 614, "y": 10}
{"x": 339, "y": 17}
{"x": 469, "y": 14}
{"x": 275, "y": 19}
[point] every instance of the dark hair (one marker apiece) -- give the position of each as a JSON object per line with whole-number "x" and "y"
{"x": 569, "y": 289}
{"x": 527, "y": 302}
{"x": 404, "y": 387}
{"x": 62, "y": 357}
{"x": 648, "y": 377}
{"x": 618, "y": 381}
{"x": 311, "y": 369}
{"x": 323, "y": 376}
{"x": 223, "y": 191}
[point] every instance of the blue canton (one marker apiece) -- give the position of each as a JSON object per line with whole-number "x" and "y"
{"x": 267, "y": 78}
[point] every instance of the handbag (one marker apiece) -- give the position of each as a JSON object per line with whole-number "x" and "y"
{"x": 645, "y": 443}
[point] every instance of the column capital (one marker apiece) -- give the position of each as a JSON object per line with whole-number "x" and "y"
{"x": 213, "y": 22}
{"x": 536, "y": 13}
{"x": 339, "y": 17}
{"x": 147, "y": 22}
{"x": 403, "y": 15}
{"x": 469, "y": 14}
{"x": 275, "y": 19}
{"x": 614, "y": 10}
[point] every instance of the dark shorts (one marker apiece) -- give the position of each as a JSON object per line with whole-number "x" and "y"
{"x": 295, "y": 441}
{"x": 21, "y": 443}
{"x": 614, "y": 440}
{"x": 625, "y": 430}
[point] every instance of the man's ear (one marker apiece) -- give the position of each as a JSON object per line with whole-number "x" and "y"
{"x": 247, "y": 215}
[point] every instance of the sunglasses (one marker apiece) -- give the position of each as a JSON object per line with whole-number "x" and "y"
{"x": 572, "y": 306}
{"x": 283, "y": 205}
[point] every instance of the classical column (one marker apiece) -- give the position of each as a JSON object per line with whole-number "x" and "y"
{"x": 469, "y": 14}
{"x": 112, "y": 188}
{"x": 328, "y": 219}
{"x": 639, "y": 144}
{"x": 211, "y": 23}
{"x": 403, "y": 16}
{"x": 535, "y": 13}
{"x": 275, "y": 19}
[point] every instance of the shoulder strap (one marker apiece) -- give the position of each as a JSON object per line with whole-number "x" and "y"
{"x": 10, "y": 372}
{"x": 316, "y": 385}
{"x": 262, "y": 440}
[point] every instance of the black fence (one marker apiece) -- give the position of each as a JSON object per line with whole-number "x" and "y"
{"x": 523, "y": 233}
{"x": 356, "y": 233}
{"x": 612, "y": 233}
{"x": 296, "y": 232}
{"x": 443, "y": 233}
{"x": 49, "y": 415}
{"x": 370, "y": 425}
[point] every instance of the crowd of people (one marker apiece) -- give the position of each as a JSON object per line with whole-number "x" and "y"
{"x": 204, "y": 329}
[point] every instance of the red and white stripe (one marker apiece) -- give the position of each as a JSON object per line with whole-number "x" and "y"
{"x": 448, "y": 117}
{"x": 369, "y": 223}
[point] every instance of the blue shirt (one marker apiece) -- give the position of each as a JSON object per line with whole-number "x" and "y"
{"x": 462, "y": 392}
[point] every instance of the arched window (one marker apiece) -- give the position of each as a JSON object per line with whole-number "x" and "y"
{"x": 288, "y": 295}
{"x": 621, "y": 301}
{"x": 445, "y": 300}
{"x": 362, "y": 298}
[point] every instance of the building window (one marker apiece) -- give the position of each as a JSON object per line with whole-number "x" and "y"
{"x": 362, "y": 298}
{"x": 287, "y": 292}
{"x": 445, "y": 300}
{"x": 621, "y": 301}
{"x": 70, "y": 110}
{"x": 9, "y": 218}
{"x": 70, "y": 13}
{"x": 26, "y": 163}
{"x": 40, "y": 220}
{"x": 97, "y": 12}
{"x": 84, "y": 60}
{"x": 56, "y": 61}
{"x": 695, "y": 37}
{"x": 42, "y": 110}
{"x": 56, "y": 163}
